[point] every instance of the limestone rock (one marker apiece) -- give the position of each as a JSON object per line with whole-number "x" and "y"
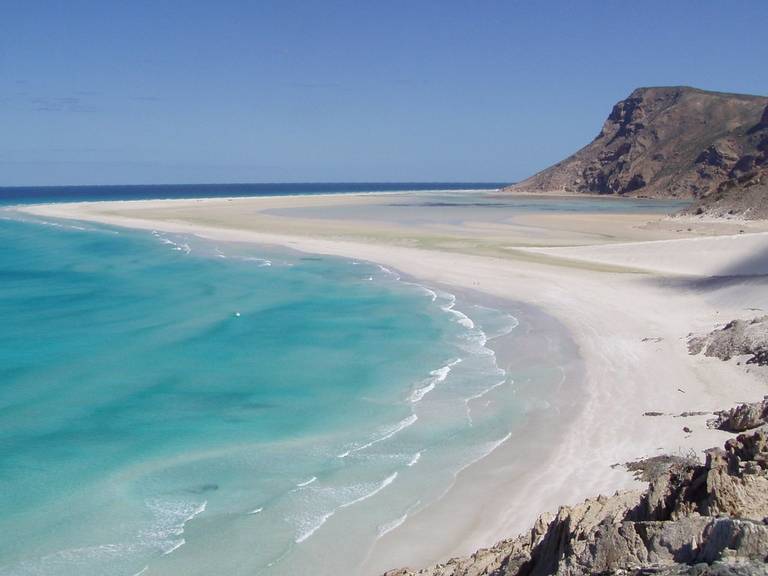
{"x": 696, "y": 519}
{"x": 737, "y": 338}
{"x": 741, "y": 418}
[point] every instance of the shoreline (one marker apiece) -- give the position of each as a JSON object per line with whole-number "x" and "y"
{"x": 608, "y": 314}
{"x": 483, "y": 483}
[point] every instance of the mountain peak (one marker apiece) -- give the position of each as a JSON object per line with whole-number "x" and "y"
{"x": 664, "y": 141}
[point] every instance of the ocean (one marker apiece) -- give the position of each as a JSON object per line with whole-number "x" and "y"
{"x": 176, "y": 406}
{"x": 36, "y": 194}
{"x": 173, "y": 406}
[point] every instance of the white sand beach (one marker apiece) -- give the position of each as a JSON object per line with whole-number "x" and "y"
{"x": 628, "y": 291}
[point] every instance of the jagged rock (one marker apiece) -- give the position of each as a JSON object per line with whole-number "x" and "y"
{"x": 649, "y": 469}
{"x": 696, "y": 519}
{"x": 742, "y": 178}
{"x": 721, "y": 154}
{"x": 737, "y": 338}
{"x": 741, "y": 418}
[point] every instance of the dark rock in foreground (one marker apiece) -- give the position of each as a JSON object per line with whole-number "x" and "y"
{"x": 742, "y": 418}
{"x": 694, "y": 519}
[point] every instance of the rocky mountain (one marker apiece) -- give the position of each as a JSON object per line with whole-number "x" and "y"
{"x": 674, "y": 142}
{"x": 694, "y": 519}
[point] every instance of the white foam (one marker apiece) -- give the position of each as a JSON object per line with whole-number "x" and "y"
{"x": 490, "y": 448}
{"x": 172, "y": 518}
{"x": 386, "y": 270}
{"x": 480, "y": 395}
{"x": 414, "y": 459}
{"x": 56, "y": 224}
{"x": 437, "y": 376}
{"x": 387, "y": 528}
{"x": 402, "y": 425}
{"x": 357, "y": 489}
{"x": 486, "y": 391}
{"x": 419, "y": 393}
{"x": 315, "y": 528}
{"x": 427, "y": 291}
{"x": 163, "y": 535}
{"x": 397, "y": 522}
{"x": 261, "y": 261}
{"x": 178, "y": 246}
{"x": 431, "y": 293}
{"x": 386, "y": 482}
{"x": 307, "y": 482}
{"x": 462, "y": 318}
{"x": 176, "y": 545}
{"x": 514, "y": 323}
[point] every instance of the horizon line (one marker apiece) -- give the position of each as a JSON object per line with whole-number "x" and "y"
{"x": 281, "y": 183}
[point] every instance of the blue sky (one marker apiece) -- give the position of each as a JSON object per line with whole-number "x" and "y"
{"x": 176, "y": 92}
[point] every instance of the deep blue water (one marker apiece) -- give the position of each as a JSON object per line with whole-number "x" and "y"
{"x": 32, "y": 194}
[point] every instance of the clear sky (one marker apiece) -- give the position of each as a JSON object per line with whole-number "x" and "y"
{"x": 108, "y": 92}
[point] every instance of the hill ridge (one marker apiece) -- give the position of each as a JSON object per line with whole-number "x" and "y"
{"x": 673, "y": 142}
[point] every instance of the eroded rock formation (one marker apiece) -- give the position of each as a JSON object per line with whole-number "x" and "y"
{"x": 737, "y": 338}
{"x": 696, "y": 519}
{"x": 674, "y": 142}
{"x": 741, "y": 418}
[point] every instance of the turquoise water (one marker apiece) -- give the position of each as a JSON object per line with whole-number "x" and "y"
{"x": 174, "y": 406}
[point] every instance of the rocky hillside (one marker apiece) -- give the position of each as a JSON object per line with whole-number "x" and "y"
{"x": 742, "y": 172}
{"x": 674, "y": 142}
{"x": 694, "y": 519}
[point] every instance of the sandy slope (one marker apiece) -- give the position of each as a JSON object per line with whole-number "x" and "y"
{"x": 630, "y": 327}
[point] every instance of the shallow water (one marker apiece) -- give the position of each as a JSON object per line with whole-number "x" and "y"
{"x": 456, "y": 207}
{"x": 175, "y": 406}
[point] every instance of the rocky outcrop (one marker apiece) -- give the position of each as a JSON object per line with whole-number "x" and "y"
{"x": 741, "y": 418}
{"x": 702, "y": 519}
{"x": 737, "y": 338}
{"x": 676, "y": 142}
{"x": 742, "y": 177}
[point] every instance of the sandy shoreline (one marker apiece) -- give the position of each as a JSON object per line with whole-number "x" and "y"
{"x": 628, "y": 294}
{"x": 469, "y": 512}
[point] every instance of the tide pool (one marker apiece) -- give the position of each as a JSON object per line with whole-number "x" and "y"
{"x": 170, "y": 405}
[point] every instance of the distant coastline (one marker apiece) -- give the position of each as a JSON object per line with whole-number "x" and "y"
{"x": 75, "y": 193}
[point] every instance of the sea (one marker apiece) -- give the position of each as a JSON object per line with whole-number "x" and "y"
{"x": 177, "y": 406}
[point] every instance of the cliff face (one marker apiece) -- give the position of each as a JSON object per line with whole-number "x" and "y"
{"x": 672, "y": 142}
{"x": 741, "y": 176}
{"x": 694, "y": 519}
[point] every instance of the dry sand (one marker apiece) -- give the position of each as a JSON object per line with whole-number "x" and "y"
{"x": 628, "y": 291}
